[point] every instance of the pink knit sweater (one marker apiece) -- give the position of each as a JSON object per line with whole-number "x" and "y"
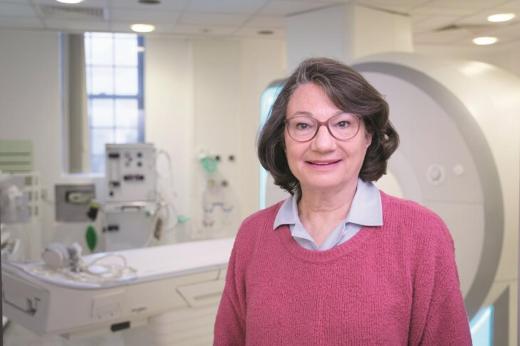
{"x": 390, "y": 285}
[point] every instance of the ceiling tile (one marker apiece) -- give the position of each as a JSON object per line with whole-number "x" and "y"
{"x": 188, "y": 29}
{"x": 133, "y": 15}
{"x": 447, "y": 8}
{"x": 394, "y": 2}
{"x": 432, "y": 23}
{"x": 20, "y": 23}
{"x": 513, "y": 5}
{"x": 164, "y": 5}
{"x": 444, "y": 37}
{"x": 219, "y": 30}
{"x": 402, "y": 6}
{"x": 285, "y": 8}
{"x": 253, "y": 33}
{"x": 436, "y": 11}
{"x": 467, "y": 4}
{"x": 28, "y": 2}
{"x": 76, "y": 25}
{"x": 8, "y": 9}
{"x": 202, "y": 31}
{"x": 511, "y": 31}
{"x": 206, "y": 19}
{"x": 266, "y": 22}
{"x": 225, "y": 6}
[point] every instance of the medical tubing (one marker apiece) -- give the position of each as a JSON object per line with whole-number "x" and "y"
{"x": 115, "y": 271}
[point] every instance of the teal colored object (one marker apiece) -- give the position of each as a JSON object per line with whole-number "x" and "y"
{"x": 209, "y": 164}
{"x": 182, "y": 219}
{"x": 91, "y": 237}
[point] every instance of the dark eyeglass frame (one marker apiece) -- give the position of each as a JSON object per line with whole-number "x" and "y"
{"x": 325, "y": 123}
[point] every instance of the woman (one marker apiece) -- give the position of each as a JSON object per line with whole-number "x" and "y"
{"x": 339, "y": 262}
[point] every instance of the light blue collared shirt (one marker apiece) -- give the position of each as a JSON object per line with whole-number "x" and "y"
{"x": 365, "y": 210}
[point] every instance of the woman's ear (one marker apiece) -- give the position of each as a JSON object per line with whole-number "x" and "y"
{"x": 368, "y": 138}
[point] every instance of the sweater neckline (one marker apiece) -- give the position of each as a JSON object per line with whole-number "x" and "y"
{"x": 314, "y": 256}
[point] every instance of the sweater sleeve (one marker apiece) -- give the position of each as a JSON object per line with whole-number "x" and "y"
{"x": 230, "y": 321}
{"x": 438, "y": 313}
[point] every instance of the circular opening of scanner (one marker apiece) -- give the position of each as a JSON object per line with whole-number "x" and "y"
{"x": 445, "y": 163}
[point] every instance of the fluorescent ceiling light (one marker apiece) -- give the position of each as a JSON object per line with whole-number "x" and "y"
{"x": 500, "y": 17}
{"x": 70, "y": 1}
{"x": 142, "y": 27}
{"x": 484, "y": 40}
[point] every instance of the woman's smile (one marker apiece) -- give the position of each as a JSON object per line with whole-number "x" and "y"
{"x": 323, "y": 164}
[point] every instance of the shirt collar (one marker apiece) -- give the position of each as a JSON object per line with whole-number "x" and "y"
{"x": 366, "y": 208}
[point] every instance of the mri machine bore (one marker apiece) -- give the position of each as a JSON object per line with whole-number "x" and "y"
{"x": 459, "y": 155}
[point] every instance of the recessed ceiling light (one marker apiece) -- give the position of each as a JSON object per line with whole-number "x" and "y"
{"x": 142, "y": 27}
{"x": 485, "y": 40}
{"x": 501, "y": 17}
{"x": 70, "y": 1}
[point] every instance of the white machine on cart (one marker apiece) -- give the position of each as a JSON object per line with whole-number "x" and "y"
{"x": 173, "y": 289}
{"x": 132, "y": 202}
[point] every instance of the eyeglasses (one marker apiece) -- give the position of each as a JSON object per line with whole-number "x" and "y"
{"x": 303, "y": 128}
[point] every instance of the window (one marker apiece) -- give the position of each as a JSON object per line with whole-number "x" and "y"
{"x": 482, "y": 327}
{"x": 114, "y": 74}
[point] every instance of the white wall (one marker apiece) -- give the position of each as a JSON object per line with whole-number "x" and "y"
{"x": 230, "y": 77}
{"x": 30, "y": 96}
{"x": 169, "y": 111}
{"x": 30, "y": 103}
{"x": 262, "y": 62}
{"x": 217, "y": 118}
{"x": 204, "y": 95}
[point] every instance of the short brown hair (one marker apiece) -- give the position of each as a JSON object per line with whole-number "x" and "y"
{"x": 350, "y": 92}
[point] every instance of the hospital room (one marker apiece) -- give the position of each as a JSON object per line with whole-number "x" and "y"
{"x": 165, "y": 178}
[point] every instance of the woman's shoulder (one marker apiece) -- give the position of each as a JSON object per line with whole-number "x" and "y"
{"x": 413, "y": 216}
{"x": 399, "y": 207}
{"x": 258, "y": 222}
{"x": 262, "y": 216}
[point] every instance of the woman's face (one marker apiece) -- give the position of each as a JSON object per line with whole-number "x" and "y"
{"x": 323, "y": 163}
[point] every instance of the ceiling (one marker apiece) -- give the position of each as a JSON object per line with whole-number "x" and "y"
{"x": 452, "y": 22}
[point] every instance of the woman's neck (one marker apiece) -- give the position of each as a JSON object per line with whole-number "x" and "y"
{"x": 326, "y": 201}
{"x": 320, "y": 211}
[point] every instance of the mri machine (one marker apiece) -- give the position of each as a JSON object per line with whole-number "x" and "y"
{"x": 459, "y": 155}
{"x": 459, "y": 123}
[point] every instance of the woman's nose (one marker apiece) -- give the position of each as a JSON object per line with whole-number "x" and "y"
{"x": 323, "y": 141}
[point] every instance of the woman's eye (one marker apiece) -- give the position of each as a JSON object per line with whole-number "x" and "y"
{"x": 343, "y": 124}
{"x": 302, "y": 126}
